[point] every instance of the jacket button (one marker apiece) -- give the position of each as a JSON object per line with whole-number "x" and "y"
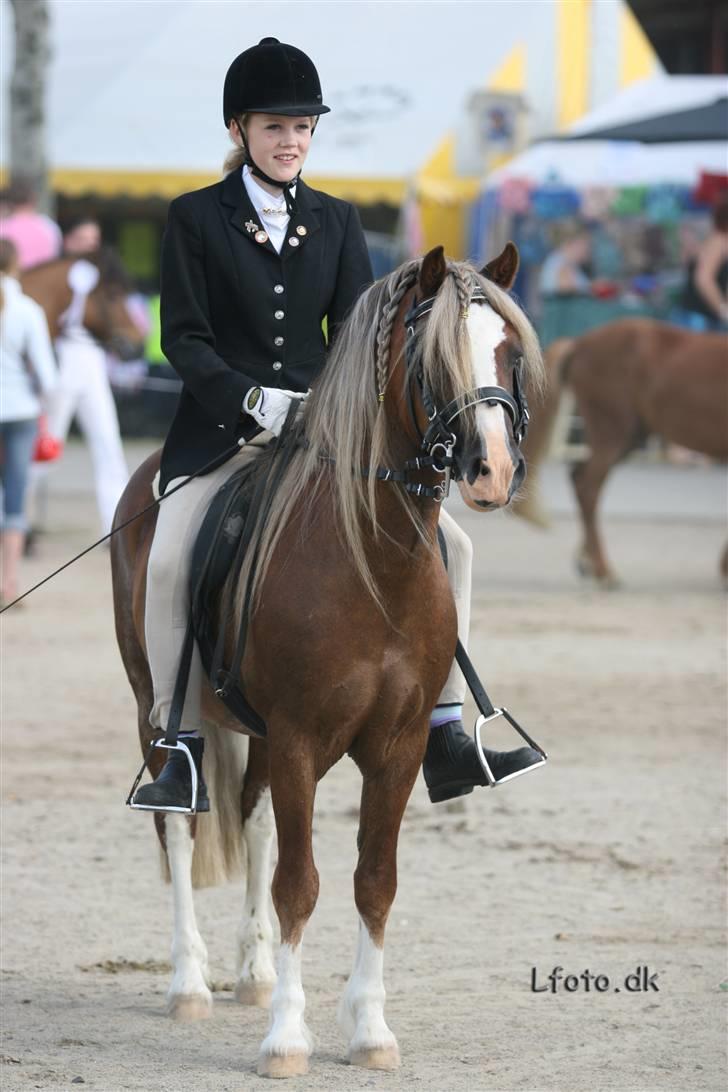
{"x": 279, "y": 314}
{"x": 277, "y": 365}
{"x": 278, "y": 340}
{"x": 293, "y": 241}
{"x": 278, "y": 288}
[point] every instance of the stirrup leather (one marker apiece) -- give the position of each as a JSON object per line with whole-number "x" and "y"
{"x": 178, "y": 746}
{"x": 478, "y": 737}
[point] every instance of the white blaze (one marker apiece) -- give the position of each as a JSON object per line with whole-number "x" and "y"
{"x": 487, "y": 330}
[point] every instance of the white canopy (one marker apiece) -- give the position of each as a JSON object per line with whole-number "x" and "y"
{"x": 624, "y": 163}
{"x": 661, "y": 94}
{"x": 137, "y": 86}
{"x": 614, "y": 163}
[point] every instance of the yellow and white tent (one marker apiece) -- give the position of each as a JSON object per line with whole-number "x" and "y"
{"x": 134, "y": 102}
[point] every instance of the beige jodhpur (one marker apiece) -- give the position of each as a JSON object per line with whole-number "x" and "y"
{"x": 167, "y": 604}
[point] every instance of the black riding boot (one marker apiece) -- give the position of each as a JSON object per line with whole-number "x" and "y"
{"x": 173, "y": 787}
{"x": 452, "y": 766}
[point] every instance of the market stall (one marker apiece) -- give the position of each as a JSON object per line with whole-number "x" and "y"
{"x": 644, "y": 202}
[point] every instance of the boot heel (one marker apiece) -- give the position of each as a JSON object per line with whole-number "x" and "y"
{"x": 445, "y": 792}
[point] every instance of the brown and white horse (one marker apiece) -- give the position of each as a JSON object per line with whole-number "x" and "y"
{"x": 105, "y": 314}
{"x": 631, "y": 379}
{"x": 351, "y": 637}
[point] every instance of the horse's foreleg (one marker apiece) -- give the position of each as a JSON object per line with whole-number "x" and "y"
{"x": 189, "y": 997}
{"x": 256, "y": 971}
{"x": 588, "y": 478}
{"x": 286, "y": 1048}
{"x": 361, "y": 1013}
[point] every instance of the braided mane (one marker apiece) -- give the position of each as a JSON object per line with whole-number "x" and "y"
{"x": 344, "y": 423}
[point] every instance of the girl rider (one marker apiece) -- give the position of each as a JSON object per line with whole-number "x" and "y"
{"x": 251, "y": 267}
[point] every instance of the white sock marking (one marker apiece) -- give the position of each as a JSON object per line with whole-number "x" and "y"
{"x": 361, "y": 1014}
{"x": 189, "y": 954}
{"x": 288, "y": 1033}
{"x": 255, "y": 934}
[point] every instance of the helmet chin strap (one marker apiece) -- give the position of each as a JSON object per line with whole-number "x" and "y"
{"x": 286, "y": 187}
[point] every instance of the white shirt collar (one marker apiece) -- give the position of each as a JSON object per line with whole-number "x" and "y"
{"x": 259, "y": 197}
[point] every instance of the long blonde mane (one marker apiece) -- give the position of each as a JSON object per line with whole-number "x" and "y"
{"x": 345, "y": 423}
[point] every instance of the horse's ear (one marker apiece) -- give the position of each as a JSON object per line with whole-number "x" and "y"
{"x": 503, "y": 269}
{"x": 432, "y": 273}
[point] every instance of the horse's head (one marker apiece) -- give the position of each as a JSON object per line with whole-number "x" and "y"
{"x": 100, "y": 286}
{"x": 467, "y": 347}
{"x": 107, "y": 316}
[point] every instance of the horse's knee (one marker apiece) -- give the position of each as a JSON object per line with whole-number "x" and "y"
{"x": 295, "y": 891}
{"x": 374, "y": 892}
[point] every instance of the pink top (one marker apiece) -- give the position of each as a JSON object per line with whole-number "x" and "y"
{"x": 37, "y": 237}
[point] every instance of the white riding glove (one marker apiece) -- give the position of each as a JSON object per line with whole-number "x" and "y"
{"x": 269, "y": 406}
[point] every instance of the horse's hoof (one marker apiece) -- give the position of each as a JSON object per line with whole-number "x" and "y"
{"x": 282, "y": 1065}
{"x": 186, "y": 1010}
{"x": 376, "y": 1058}
{"x": 254, "y": 993}
{"x": 585, "y": 567}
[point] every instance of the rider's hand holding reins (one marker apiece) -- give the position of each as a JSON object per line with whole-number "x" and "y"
{"x": 269, "y": 406}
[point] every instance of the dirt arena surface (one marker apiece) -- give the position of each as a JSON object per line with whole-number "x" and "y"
{"x": 609, "y": 860}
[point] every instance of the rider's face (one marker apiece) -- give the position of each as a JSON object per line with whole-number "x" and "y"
{"x": 278, "y": 144}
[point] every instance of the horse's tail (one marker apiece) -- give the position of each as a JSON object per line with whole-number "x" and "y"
{"x": 219, "y": 854}
{"x": 537, "y": 443}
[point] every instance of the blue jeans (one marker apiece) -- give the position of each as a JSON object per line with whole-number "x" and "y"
{"x": 16, "y": 453}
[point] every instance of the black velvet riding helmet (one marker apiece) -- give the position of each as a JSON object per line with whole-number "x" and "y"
{"x": 272, "y": 78}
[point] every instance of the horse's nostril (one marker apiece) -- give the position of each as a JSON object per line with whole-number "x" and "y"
{"x": 478, "y": 469}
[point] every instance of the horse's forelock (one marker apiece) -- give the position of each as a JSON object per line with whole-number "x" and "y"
{"x": 504, "y": 305}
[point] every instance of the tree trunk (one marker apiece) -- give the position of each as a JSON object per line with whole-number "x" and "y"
{"x": 28, "y": 159}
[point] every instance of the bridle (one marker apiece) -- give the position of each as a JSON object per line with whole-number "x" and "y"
{"x": 437, "y": 443}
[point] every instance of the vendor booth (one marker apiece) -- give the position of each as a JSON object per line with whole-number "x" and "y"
{"x": 644, "y": 201}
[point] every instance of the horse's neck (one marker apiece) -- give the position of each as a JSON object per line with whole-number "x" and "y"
{"x": 51, "y": 290}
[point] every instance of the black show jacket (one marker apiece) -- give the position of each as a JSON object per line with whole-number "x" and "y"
{"x": 236, "y": 314}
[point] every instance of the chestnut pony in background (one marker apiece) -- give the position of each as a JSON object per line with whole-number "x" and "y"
{"x": 630, "y": 379}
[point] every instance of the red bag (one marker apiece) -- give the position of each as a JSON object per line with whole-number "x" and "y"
{"x": 47, "y": 447}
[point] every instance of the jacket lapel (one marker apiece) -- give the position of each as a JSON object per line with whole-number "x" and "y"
{"x": 305, "y": 223}
{"x": 243, "y": 216}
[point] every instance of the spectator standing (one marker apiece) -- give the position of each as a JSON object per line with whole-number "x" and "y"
{"x": 28, "y": 375}
{"x": 37, "y": 238}
{"x": 563, "y": 271}
{"x": 83, "y": 389}
{"x": 705, "y": 298}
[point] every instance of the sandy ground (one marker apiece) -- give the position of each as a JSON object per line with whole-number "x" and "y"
{"x": 610, "y": 859}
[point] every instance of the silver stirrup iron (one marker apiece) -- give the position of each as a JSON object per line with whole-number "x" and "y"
{"x": 478, "y": 737}
{"x": 178, "y": 746}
